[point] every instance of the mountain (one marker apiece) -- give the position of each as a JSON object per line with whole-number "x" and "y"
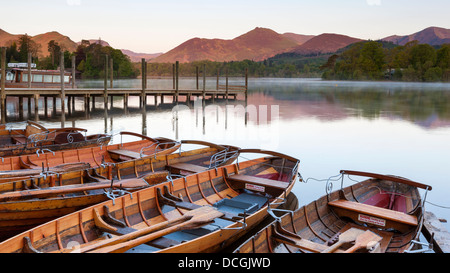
{"x": 42, "y": 40}
{"x": 324, "y": 43}
{"x": 298, "y": 38}
{"x": 64, "y": 42}
{"x": 137, "y": 57}
{"x": 258, "y": 44}
{"x": 431, "y": 35}
{"x": 6, "y": 37}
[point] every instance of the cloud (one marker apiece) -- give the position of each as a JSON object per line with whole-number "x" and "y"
{"x": 73, "y": 2}
{"x": 373, "y": 2}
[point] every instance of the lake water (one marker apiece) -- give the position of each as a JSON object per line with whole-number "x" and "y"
{"x": 383, "y": 127}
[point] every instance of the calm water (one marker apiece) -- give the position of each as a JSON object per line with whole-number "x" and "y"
{"x": 389, "y": 128}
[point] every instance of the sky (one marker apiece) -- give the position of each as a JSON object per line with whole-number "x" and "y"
{"x": 149, "y": 26}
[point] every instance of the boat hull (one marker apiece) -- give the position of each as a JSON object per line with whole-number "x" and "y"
{"x": 317, "y": 226}
{"x": 98, "y": 156}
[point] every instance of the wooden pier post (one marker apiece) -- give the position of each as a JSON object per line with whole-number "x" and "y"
{"x": 204, "y": 83}
{"x": 69, "y": 105}
{"x": 125, "y": 103}
{"x": 226, "y": 83}
{"x": 105, "y": 84}
{"x": 246, "y": 85}
{"x": 36, "y": 107}
{"x": 29, "y": 70}
{"x": 3, "y": 79}
{"x": 73, "y": 71}
{"x": 29, "y": 106}
{"x": 86, "y": 103}
{"x": 63, "y": 91}
{"x": 45, "y": 106}
{"x": 111, "y": 73}
{"x": 173, "y": 75}
{"x": 177, "y": 75}
{"x": 143, "y": 102}
{"x": 217, "y": 81}
{"x": 196, "y": 70}
{"x": 54, "y": 105}
{"x": 20, "y": 107}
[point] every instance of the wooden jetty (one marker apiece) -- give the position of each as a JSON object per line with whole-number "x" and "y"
{"x": 65, "y": 94}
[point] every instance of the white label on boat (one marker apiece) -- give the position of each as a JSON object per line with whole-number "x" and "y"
{"x": 371, "y": 220}
{"x": 255, "y": 187}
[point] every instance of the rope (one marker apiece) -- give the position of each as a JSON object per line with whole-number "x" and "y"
{"x": 436, "y": 205}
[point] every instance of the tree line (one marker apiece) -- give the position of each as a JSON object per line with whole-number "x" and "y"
{"x": 266, "y": 68}
{"x": 89, "y": 58}
{"x": 377, "y": 60}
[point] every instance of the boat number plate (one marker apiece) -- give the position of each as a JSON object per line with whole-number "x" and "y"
{"x": 255, "y": 187}
{"x": 371, "y": 220}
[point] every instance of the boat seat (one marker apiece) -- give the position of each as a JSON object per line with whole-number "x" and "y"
{"x": 187, "y": 167}
{"x": 258, "y": 181}
{"x": 19, "y": 139}
{"x": 374, "y": 211}
{"x": 121, "y": 154}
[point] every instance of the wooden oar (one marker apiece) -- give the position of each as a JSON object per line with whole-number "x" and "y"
{"x": 41, "y": 193}
{"x": 199, "y": 218}
{"x": 346, "y": 237}
{"x": 140, "y": 232}
{"x": 363, "y": 240}
{"x": 38, "y": 170}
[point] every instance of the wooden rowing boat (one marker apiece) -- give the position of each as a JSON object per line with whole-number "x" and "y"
{"x": 201, "y": 212}
{"x": 210, "y": 156}
{"x": 16, "y": 167}
{"x": 29, "y": 202}
{"x": 380, "y": 214}
{"x": 35, "y": 138}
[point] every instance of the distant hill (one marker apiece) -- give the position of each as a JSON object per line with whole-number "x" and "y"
{"x": 42, "y": 40}
{"x": 258, "y": 44}
{"x": 324, "y": 43}
{"x": 298, "y": 38}
{"x": 6, "y": 37}
{"x": 431, "y": 35}
{"x": 64, "y": 42}
{"x": 67, "y": 44}
{"x": 137, "y": 57}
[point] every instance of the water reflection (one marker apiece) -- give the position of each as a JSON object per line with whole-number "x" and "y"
{"x": 425, "y": 104}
